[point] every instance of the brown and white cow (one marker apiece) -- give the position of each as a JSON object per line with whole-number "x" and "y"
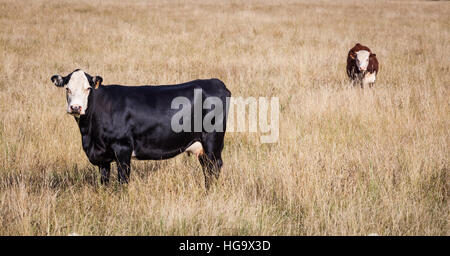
{"x": 362, "y": 65}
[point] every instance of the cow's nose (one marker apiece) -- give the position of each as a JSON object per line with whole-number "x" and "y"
{"x": 75, "y": 109}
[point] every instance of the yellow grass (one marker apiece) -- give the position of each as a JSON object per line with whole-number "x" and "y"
{"x": 348, "y": 161}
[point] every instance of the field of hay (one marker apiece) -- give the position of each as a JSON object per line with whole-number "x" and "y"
{"x": 348, "y": 161}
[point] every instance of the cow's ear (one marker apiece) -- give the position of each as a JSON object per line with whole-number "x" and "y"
{"x": 58, "y": 80}
{"x": 97, "y": 81}
{"x": 373, "y": 55}
{"x": 352, "y": 55}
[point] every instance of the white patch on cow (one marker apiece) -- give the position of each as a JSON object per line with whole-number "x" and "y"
{"x": 362, "y": 59}
{"x": 78, "y": 89}
{"x": 196, "y": 148}
{"x": 369, "y": 78}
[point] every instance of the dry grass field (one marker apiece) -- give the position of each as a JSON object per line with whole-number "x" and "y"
{"x": 348, "y": 161}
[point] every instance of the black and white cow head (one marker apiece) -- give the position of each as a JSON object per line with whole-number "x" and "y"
{"x": 78, "y": 85}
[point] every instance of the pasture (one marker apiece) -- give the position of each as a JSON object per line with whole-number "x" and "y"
{"x": 348, "y": 161}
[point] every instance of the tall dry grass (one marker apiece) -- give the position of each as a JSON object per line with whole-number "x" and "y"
{"x": 348, "y": 162}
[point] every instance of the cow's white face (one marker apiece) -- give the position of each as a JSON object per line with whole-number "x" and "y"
{"x": 362, "y": 59}
{"x": 77, "y": 92}
{"x": 78, "y": 86}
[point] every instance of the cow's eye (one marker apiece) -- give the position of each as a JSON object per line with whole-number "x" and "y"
{"x": 68, "y": 90}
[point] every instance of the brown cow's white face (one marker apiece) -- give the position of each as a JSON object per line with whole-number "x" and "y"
{"x": 362, "y": 60}
{"x": 78, "y": 86}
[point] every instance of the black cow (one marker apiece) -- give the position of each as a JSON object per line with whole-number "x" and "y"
{"x": 120, "y": 122}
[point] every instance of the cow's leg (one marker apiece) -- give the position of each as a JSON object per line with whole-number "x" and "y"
{"x": 211, "y": 160}
{"x": 123, "y": 170}
{"x": 211, "y": 165}
{"x": 355, "y": 82}
{"x": 105, "y": 172}
{"x": 123, "y": 160}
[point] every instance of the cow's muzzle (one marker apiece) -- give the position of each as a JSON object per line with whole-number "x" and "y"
{"x": 75, "y": 110}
